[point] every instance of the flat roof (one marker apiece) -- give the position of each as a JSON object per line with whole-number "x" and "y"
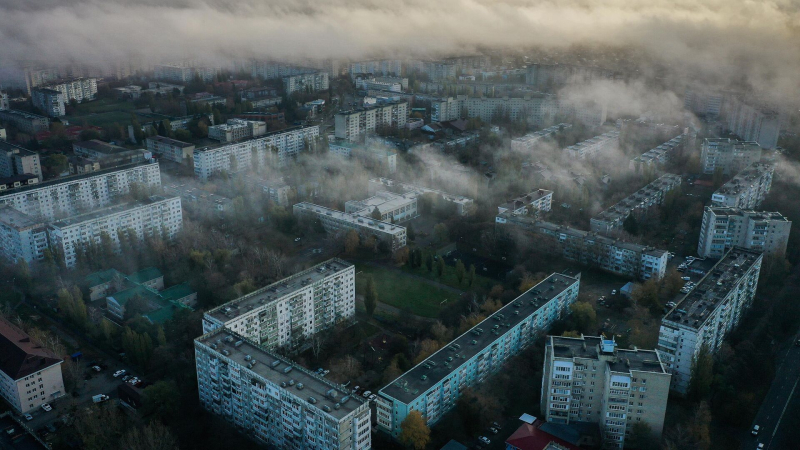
{"x": 622, "y": 208}
{"x": 589, "y": 347}
{"x": 109, "y": 210}
{"x": 526, "y": 199}
{"x": 299, "y": 381}
{"x": 17, "y": 220}
{"x": 536, "y": 135}
{"x": 366, "y": 222}
{"x": 754, "y": 215}
{"x": 449, "y": 358}
{"x": 279, "y": 289}
{"x": 408, "y": 187}
{"x": 696, "y": 306}
{"x": 170, "y": 141}
{"x": 100, "y": 146}
{"x": 24, "y": 114}
{"x": 613, "y": 134}
{"x": 254, "y": 138}
{"x": 8, "y": 146}
{"x": 64, "y": 180}
{"x": 745, "y": 178}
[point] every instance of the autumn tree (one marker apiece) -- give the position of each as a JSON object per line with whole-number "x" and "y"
{"x": 702, "y": 374}
{"x": 414, "y": 431}
{"x": 153, "y": 436}
{"x": 584, "y": 316}
{"x": 439, "y": 266}
{"x": 461, "y": 271}
{"x": 370, "y": 295}
{"x": 441, "y": 232}
{"x": 471, "y": 275}
{"x": 351, "y": 242}
{"x": 162, "y": 400}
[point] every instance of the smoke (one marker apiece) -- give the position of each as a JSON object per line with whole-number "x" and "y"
{"x": 721, "y": 40}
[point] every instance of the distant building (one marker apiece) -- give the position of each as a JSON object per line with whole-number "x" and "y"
{"x": 728, "y": 156}
{"x": 79, "y": 89}
{"x": 275, "y": 401}
{"x": 49, "y": 101}
{"x": 587, "y": 379}
{"x": 108, "y": 155}
{"x": 376, "y": 67}
{"x": 287, "y": 313}
{"x": 435, "y": 70}
{"x": 752, "y": 123}
{"x": 378, "y": 158}
{"x": 444, "y": 109}
{"x": 434, "y": 386}
{"x": 171, "y": 149}
{"x": 639, "y": 203}
{"x": 662, "y": 154}
{"x": 725, "y": 228}
{"x": 537, "y": 200}
{"x": 351, "y": 125}
{"x": 391, "y": 207}
{"x": 21, "y": 236}
{"x": 24, "y": 121}
{"x": 593, "y": 147}
{"x": 306, "y": 83}
{"x": 747, "y": 189}
{"x": 703, "y": 102}
{"x": 528, "y": 142}
{"x": 707, "y": 314}
{"x": 16, "y": 160}
{"x": 394, "y": 236}
{"x": 184, "y": 73}
{"x": 196, "y": 198}
{"x": 237, "y": 130}
{"x": 30, "y": 375}
{"x": 4, "y": 104}
{"x": 462, "y": 206}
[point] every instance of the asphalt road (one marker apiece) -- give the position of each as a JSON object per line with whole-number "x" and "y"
{"x": 779, "y": 415}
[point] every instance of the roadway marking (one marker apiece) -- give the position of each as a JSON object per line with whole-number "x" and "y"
{"x": 777, "y": 425}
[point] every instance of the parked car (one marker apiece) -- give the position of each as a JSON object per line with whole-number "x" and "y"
{"x": 97, "y": 368}
{"x": 373, "y": 397}
{"x": 497, "y": 425}
{"x": 493, "y": 430}
{"x": 485, "y": 440}
{"x": 755, "y": 430}
{"x": 297, "y": 239}
{"x": 28, "y": 417}
{"x": 100, "y": 398}
{"x": 126, "y": 378}
{"x": 367, "y": 394}
{"x": 613, "y": 292}
{"x": 47, "y": 407}
{"x": 120, "y": 373}
{"x": 686, "y": 278}
{"x": 356, "y": 389}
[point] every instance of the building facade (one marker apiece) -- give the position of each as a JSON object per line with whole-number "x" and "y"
{"x": 377, "y": 67}
{"x": 49, "y": 101}
{"x": 338, "y": 222}
{"x": 79, "y": 89}
{"x": 587, "y": 379}
{"x": 528, "y": 142}
{"x": 433, "y": 386}
{"x": 171, "y": 149}
{"x": 705, "y": 316}
{"x": 391, "y": 207}
{"x": 728, "y": 156}
{"x": 287, "y": 313}
{"x": 21, "y": 236}
{"x": 752, "y": 123}
{"x": 237, "y": 130}
{"x": 659, "y": 156}
{"x": 15, "y": 160}
{"x": 725, "y": 228}
{"x": 462, "y": 206}
{"x": 535, "y": 201}
{"x": 445, "y": 109}
{"x": 306, "y": 83}
{"x": 593, "y": 147}
{"x": 639, "y": 203}
{"x": 24, "y": 121}
{"x": 351, "y": 125}
{"x": 747, "y": 189}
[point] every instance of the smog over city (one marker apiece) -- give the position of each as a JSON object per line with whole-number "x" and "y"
{"x": 362, "y": 224}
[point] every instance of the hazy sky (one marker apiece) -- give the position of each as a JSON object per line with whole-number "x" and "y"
{"x": 758, "y": 39}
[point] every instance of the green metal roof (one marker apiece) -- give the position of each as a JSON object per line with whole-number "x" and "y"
{"x": 102, "y": 277}
{"x": 122, "y": 297}
{"x": 145, "y": 275}
{"x": 177, "y": 292}
{"x": 161, "y": 315}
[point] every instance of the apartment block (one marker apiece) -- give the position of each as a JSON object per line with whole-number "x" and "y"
{"x": 540, "y": 109}
{"x": 593, "y": 147}
{"x": 661, "y": 155}
{"x": 270, "y": 70}
{"x": 534, "y": 202}
{"x": 108, "y": 155}
{"x": 588, "y": 379}
{"x": 372, "y": 83}
{"x": 435, "y": 70}
{"x": 171, "y": 149}
{"x": 156, "y": 216}
{"x": 706, "y": 315}
{"x": 287, "y": 313}
{"x": 24, "y": 121}
{"x": 338, "y": 222}
{"x": 590, "y": 248}
{"x": 639, "y": 204}
{"x": 704, "y": 102}
{"x": 237, "y": 130}
{"x": 351, "y": 125}
{"x": 16, "y": 160}
{"x": 277, "y": 148}
{"x": 380, "y": 159}
{"x": 460, "y": 205}
{"x": 528, "y": 142}
{"x": 4, "y": 104}
{"x": 275, "y": 401}
{"x": 433, "y": 386}
{"x": 79, "y": 89}
{"x": 445, "y": 109}
{"x": 747, "y": 189}
{"x": 21, "y": 236}
{"x": 306, "y": 83}
{"x": 725, "y": 228}
{"x": 752, "y": 123}
{"x": 377, "y": 67}
{"x": 72, "y": 195}
{"x": 49, "y": 101}
{"x": 183, "y": 73}
{"x": 30, "y": 375}
{"x": 728, "y": 156}
{"x": 391, "y": 207}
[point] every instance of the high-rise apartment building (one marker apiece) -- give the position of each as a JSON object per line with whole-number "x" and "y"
{"x": 638, "y": 204}
{"x": 277, "y": 148}
{"x": 49, "y": 101}
{"x": 286, "y": 313}
{"x": 25, "y": 121}
{"x": 747, "y": 189}
{"x": 72, "y": 195}
{"x": 725, "y": 228}
{"x": 21, "y": 236}
{"x": 434, "y": 386}
{"x": 236, "y": 130}
{"x": 274, "y": 400}
{"x": 79, "y": 89}
{"x": 171, "y": 149}
{"x": 377, "y": 67}
{"x": 338, "y": 222}
{"x": 445, "y": 109}
{"x": 535, "y": 201}
{"x": 351, "y": 125}
{"x": 15, "y": 160}
{"x": 708, "y": 313}
{"x": 528, "y": 142}
{"x": 659, "y": 156}
{"x": 728, "y": 156}
{"x": 588, "y": 379}
{"x": 306, "y": 83}
{"x": 752, "y": 123}
{"x": 184, "y": 73}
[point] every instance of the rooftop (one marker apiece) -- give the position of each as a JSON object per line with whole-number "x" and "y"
{"x": 614, "y": 134}
{"x": 526, "y": 199}
{"x": 145, "y": 275}
{"x": 408, "y": 187}
{"x": 17, "y": 220}
{"x": 108, "y": 211}
{"x": 535, "y": 136}
{"x": 436, "y": 367}
{"x": 8, "y": 146}
{"x": 589, "y": 347}
{"x": 316, "y": 391}
{"x": 695, "y": 307}
{"x": 641, "y": 198}
{"x": 24, "y": 114}
{"x": 259, "y": 137}
{"x": 100, "y": 146}
{"x": 531, "y": 436}
{"x": 745, "y": 178}
{"x": 72, "y": 178}
{"x": 20, "y": 356}
{"x": 279, "y": 289}
{"x": 753, "y": 215}
{"x": 366, "y": 222}
{"x": 170, "y": 141}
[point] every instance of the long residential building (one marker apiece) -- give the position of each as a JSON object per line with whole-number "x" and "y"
{"x": 728, "y": 156}
{"x": 587, "y": 379}
{"x": 236, "y": 130}
{"x": 462, "y": 206}
{"x": 24, "y": 121}
{"x": 288, "y": 312}
{"x": 377, "y": 67}
{"x": 276, "y": 148}
{"x": 537, "y": 200}
{"x": 155, "y": 216}
{"x": 593, "y": 147}
{"x": 391, "y": 207}
{"x": 747, "y": 189}
{"x": 274, "y": 400}
{"x": 725, "y": 228}
{"x": 49, "y": 101}
{"x": 351, "y": 125}
{"x": 21, "y": 236}
{"x": 660, "y": 155}
{"x": 528, "y": 142}
{"x": 752, "y": 123}
{"x": 30, "y": 374}
{"x": 16, "y": 160}
{"x": 75, "y": 194}
{"x": 184, "y": 73}
{"x": 379, "y": 158}
{"x": 590, "y": 248}
{"x": 434, "y": 386}
{"x": 638, "y": 204}
{"x": 705, "y": 316}
{"x": 171, "y": 149}
{"x": 79, "y": 89}
{"x": 394, "y": 236}
{"x": 306, "y": 83}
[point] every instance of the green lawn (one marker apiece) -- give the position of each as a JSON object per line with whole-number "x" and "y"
{"x": 400, "y": 290}
{"x": 103, "y": 106}
{"x": 102, "y": 113}
{"x": 101, "y": 119}
{"x": 449, "y": 277}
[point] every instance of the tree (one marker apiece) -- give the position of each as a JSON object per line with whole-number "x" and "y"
{"x": 461, "y": 271}
{"x": 646, "y": 294}
{"x": 440, "y": 266}
{"x": 410, "y": 234}
{"x": 414, "y": 432}
{"x": 162, "y": 400}
{"x": 370, "y": 295}
{"x": 351, "y": 242}
{"x": 441, "y": 232}
{"x": 584, "y": 316}
{"x": 154, "y": 436}
{"x": 429, "y": 262}
{"x": 702, "y": 374}
{"x": 631, "y": 225}
{"x": 641, "y": 437}
{"x": 376, "y": 214}
{"x": 401, "y": 256}
{"x": 471, "y": 275}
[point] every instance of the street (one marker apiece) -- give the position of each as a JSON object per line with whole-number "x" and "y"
{"x": 779, "y": 415}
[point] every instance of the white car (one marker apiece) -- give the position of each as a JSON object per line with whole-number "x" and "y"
{"x": 685, "y": 278}
{"x": 28, "y": 417}
{"x": 485, "y": 440}
{"x": 760, "y": 446}
{"x": 373, "y": 397}
{"x": 47, "y": 407}
{"x": 120, "y": 373}
{"x": 755, "y": 430}
{"x": 96, "y": 368}
{"x": 367, "y": 394}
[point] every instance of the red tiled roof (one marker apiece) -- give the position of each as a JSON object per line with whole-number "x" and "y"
{"x": 19, "y": 355}
{"x": 530, "y": 437}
